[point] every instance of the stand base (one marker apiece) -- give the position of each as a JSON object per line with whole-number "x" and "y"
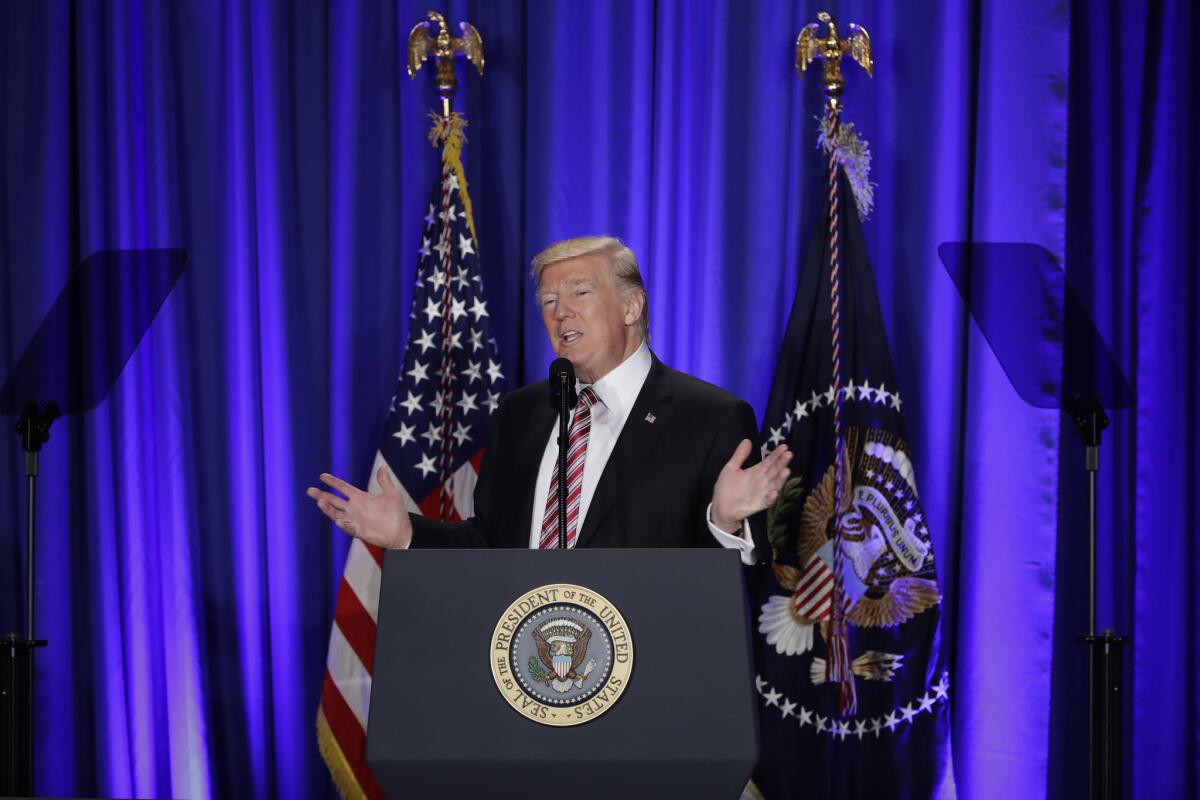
{"x": 16, "y": 715}
{"x": 1105, "y": 747}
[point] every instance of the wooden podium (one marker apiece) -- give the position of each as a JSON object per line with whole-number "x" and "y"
{"x": 682, "y": 726}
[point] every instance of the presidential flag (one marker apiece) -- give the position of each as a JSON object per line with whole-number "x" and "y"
{"x": 851, "y": 674}
{"x": 432, "y": 443}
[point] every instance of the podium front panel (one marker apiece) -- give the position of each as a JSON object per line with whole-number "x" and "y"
{"x": 683, "y": 727}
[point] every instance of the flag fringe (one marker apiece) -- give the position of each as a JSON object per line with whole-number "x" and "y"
{"x": 853, "y": 154}
{"x": 449, "y": 132}
{"x": 339, "y": 768}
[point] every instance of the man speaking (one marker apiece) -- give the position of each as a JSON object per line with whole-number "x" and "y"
{"x": 657, "y": 458}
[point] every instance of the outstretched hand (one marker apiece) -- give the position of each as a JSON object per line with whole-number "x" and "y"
{"x": 742, "y": 492}
{"x": 378, "y": 519}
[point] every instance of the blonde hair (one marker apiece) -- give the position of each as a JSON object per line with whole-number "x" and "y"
{"x": 620, "y": 257}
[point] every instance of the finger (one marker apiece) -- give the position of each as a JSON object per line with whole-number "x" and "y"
{"x": 772, "y": 470}
{"x": 332, "y": 500}
{"x": 328, "y": 510}
{"x": 339, "y": 484}
{"x": 384, "y": 477}
{"x": 780, "y": 455}
{"x": 739, "y": 455}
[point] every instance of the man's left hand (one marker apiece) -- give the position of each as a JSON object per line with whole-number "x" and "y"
{"x": 742, "y": 492}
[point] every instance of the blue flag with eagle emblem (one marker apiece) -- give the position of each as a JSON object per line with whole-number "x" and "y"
{"x": 892, "y": 739}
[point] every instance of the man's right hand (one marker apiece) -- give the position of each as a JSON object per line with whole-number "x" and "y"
{"x": 378, "y": 519}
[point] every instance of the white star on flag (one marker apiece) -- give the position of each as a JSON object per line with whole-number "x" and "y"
{"x": 461, "y": 433}
{"x": 464, "y": 247}
{"x": 418, "y": 373}
{"x": 411, "y": 404}
{"x": 405, "y": 434}
{"x": 433, "y": 435}
{"x": 426, "y": 465}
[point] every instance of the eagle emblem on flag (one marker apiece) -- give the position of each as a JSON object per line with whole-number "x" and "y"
{"x": 888, "y": 575}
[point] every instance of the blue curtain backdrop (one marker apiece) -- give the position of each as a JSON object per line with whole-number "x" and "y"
{"x": 185, "y": 583}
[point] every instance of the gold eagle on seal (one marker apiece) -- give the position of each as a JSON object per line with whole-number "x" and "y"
{"x": 562, "y": 645}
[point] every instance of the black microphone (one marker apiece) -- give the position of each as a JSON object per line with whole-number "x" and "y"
{"x": 562, "y": 399}
{"x": 562, "y": 376}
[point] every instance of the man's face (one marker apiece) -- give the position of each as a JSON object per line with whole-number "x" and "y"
{"x": 589, "y": 320}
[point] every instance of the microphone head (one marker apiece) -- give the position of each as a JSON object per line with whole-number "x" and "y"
{"x": 562, "y": 376}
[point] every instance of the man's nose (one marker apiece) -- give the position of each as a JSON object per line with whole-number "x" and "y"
{"x": 563, "y": 310}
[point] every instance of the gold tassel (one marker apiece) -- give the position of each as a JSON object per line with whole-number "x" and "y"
{"x": 339, "y": 768}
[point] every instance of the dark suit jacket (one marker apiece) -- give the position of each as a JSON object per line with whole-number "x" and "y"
{"x": 655, "y": 487}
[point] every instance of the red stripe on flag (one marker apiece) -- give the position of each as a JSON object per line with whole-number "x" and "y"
{"x": 431, "y": 507}
{"x": 477, "y": 461}
{"x": 356, "y": 625}
{"x": 351, "y": 738}
{"x": 810, "y": 590}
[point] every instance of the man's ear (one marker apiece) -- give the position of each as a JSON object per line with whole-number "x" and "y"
{"x": 634, "y": 303}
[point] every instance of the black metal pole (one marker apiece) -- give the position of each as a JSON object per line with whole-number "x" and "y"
{"x": 17, "y": 684}
{"x": 31, "y": 473}
{"x": 1104, "y": 651}
{"x": 564, "y": 446}
{"x": 31, "y": 465}
{"x": 1092, "y": 465}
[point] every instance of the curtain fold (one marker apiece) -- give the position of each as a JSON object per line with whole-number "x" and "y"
{"x": 186, "y": 585}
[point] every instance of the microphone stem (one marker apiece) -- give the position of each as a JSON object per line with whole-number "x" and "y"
{"x": 564, "y": 413}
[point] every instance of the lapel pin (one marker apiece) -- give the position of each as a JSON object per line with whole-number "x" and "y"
{"x": 650, "y": 418}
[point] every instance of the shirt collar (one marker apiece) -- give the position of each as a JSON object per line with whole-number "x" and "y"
{"x": 619, "y": 389}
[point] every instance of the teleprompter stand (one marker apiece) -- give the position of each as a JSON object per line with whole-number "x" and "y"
{"x": 1055, "y": 358}
{"x": 683, "y": 728}
{"x": 75, "y": 357}
{"x": 1106, "y": 649}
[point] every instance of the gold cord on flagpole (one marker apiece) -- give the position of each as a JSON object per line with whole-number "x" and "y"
{"x": 422, "y": 43}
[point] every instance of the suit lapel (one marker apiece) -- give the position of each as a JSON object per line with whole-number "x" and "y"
{"x": 647, "y": 420}
{"x": 541, "y": 421}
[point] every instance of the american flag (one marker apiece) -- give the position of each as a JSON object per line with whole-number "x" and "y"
{"x": 432, "y": 442}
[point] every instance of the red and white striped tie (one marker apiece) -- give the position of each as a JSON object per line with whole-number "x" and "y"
{"x": 581, "y": 426}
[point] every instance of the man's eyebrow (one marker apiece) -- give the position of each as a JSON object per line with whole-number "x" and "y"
{"x": 573, "y": 283}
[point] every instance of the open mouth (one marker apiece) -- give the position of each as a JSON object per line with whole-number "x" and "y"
{"x": 569, "y": 337}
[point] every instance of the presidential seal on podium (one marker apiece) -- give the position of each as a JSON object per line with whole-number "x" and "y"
{"x": 561, "y": 654}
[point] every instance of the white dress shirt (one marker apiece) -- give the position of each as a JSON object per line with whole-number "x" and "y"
{"x": 617, "y": 391}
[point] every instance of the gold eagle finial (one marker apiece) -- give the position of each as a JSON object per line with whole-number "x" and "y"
{"x": 422, "y": 43}
{"x": 831, "y": 48}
